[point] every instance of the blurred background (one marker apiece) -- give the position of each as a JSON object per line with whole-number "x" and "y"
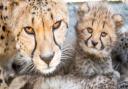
{"x": 95, "y": 0}
{"x": 121, "y": 6}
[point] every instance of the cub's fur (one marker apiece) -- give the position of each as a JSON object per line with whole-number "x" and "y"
{"x": 96, "y": 28}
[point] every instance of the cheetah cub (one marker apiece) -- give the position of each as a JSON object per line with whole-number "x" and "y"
{"x": 96, "y": 33}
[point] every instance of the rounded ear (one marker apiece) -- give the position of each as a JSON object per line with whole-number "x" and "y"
{"x": 83, "y": 8}
{"x": 118, "y": 19}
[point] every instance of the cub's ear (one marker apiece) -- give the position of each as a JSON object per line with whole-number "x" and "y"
{"x": 118, "y": 19}
{"x": 83, "y": 8}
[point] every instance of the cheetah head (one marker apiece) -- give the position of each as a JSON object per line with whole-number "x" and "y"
{"x": 96, "y": 27}
{"x": 40, "y": 27}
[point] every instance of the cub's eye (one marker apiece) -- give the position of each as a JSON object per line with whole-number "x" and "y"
{"x": 90, "y": 30}
{"x": 103, "y": 34}
{"x": 57, "y": 24}
{"x": 29, "y": 30}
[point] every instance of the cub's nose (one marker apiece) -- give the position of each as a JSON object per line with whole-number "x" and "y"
{"x": 47, "y": 58}
{"x": 94, "y": 43}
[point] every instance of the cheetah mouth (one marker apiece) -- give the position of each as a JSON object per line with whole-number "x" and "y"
{"x": 29, "y": 69}
{"x": 94, "y": 51}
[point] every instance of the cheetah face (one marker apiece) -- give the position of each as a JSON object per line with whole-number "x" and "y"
{"x": 97, "y": 28}
{"x": 40, "y": 31}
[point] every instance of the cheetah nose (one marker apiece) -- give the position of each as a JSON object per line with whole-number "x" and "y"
{"x": 47, "y": 58}
{"x": 16, "y": 67}
{"x": 94, "y": 43}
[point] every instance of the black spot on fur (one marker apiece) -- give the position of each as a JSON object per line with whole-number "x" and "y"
{"x": 1, "y": 17}
{"x": 32, "y": 20}
{"x": 122, "y": 39}
{"x": 125, "y": 44}
{"x": 6, "y": 44}
{"x": 51, "y": 16}
{"x": 1, "y": 81}
{"x": 33, "y": 12}
{"x": 6, "y": 8}
{"x": 3, "y": 28}
{"x": 13, "y": 40}
{"x": 15, "y": 3}
{"x": 1, "y": 7}
{"x": 49, "y": 9}
{"x": 5, "y": 17}
{"x": 46, "y": 2}
{"x": 2, "y": 37}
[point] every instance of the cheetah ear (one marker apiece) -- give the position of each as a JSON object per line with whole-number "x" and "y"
{"x": 118, "y": 19}
{"x": 83, "y": 8}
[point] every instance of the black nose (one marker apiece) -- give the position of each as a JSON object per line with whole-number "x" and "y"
{"x": 16, "y": 67}
{"x": 47, "y": 58}
{"x": 94, "y": 43}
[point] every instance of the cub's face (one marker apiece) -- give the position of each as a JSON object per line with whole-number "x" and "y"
{"x": 97, "y": 28}
{"x": 40, "y": 28}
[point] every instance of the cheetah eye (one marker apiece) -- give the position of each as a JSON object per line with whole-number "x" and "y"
{"x": 90, "y": 30}
{"x": 103, "y": 34}
{"x": 57, "y": 24}
{"x": 29, "y": 30}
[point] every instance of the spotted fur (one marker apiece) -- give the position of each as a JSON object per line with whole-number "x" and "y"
{"x": 120, "y": 58}
{"x": 39, "y": 29}
{"x": 7, "y": 43}
{"x": 43, "y": 25}
{"x": 7, "y": 39}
